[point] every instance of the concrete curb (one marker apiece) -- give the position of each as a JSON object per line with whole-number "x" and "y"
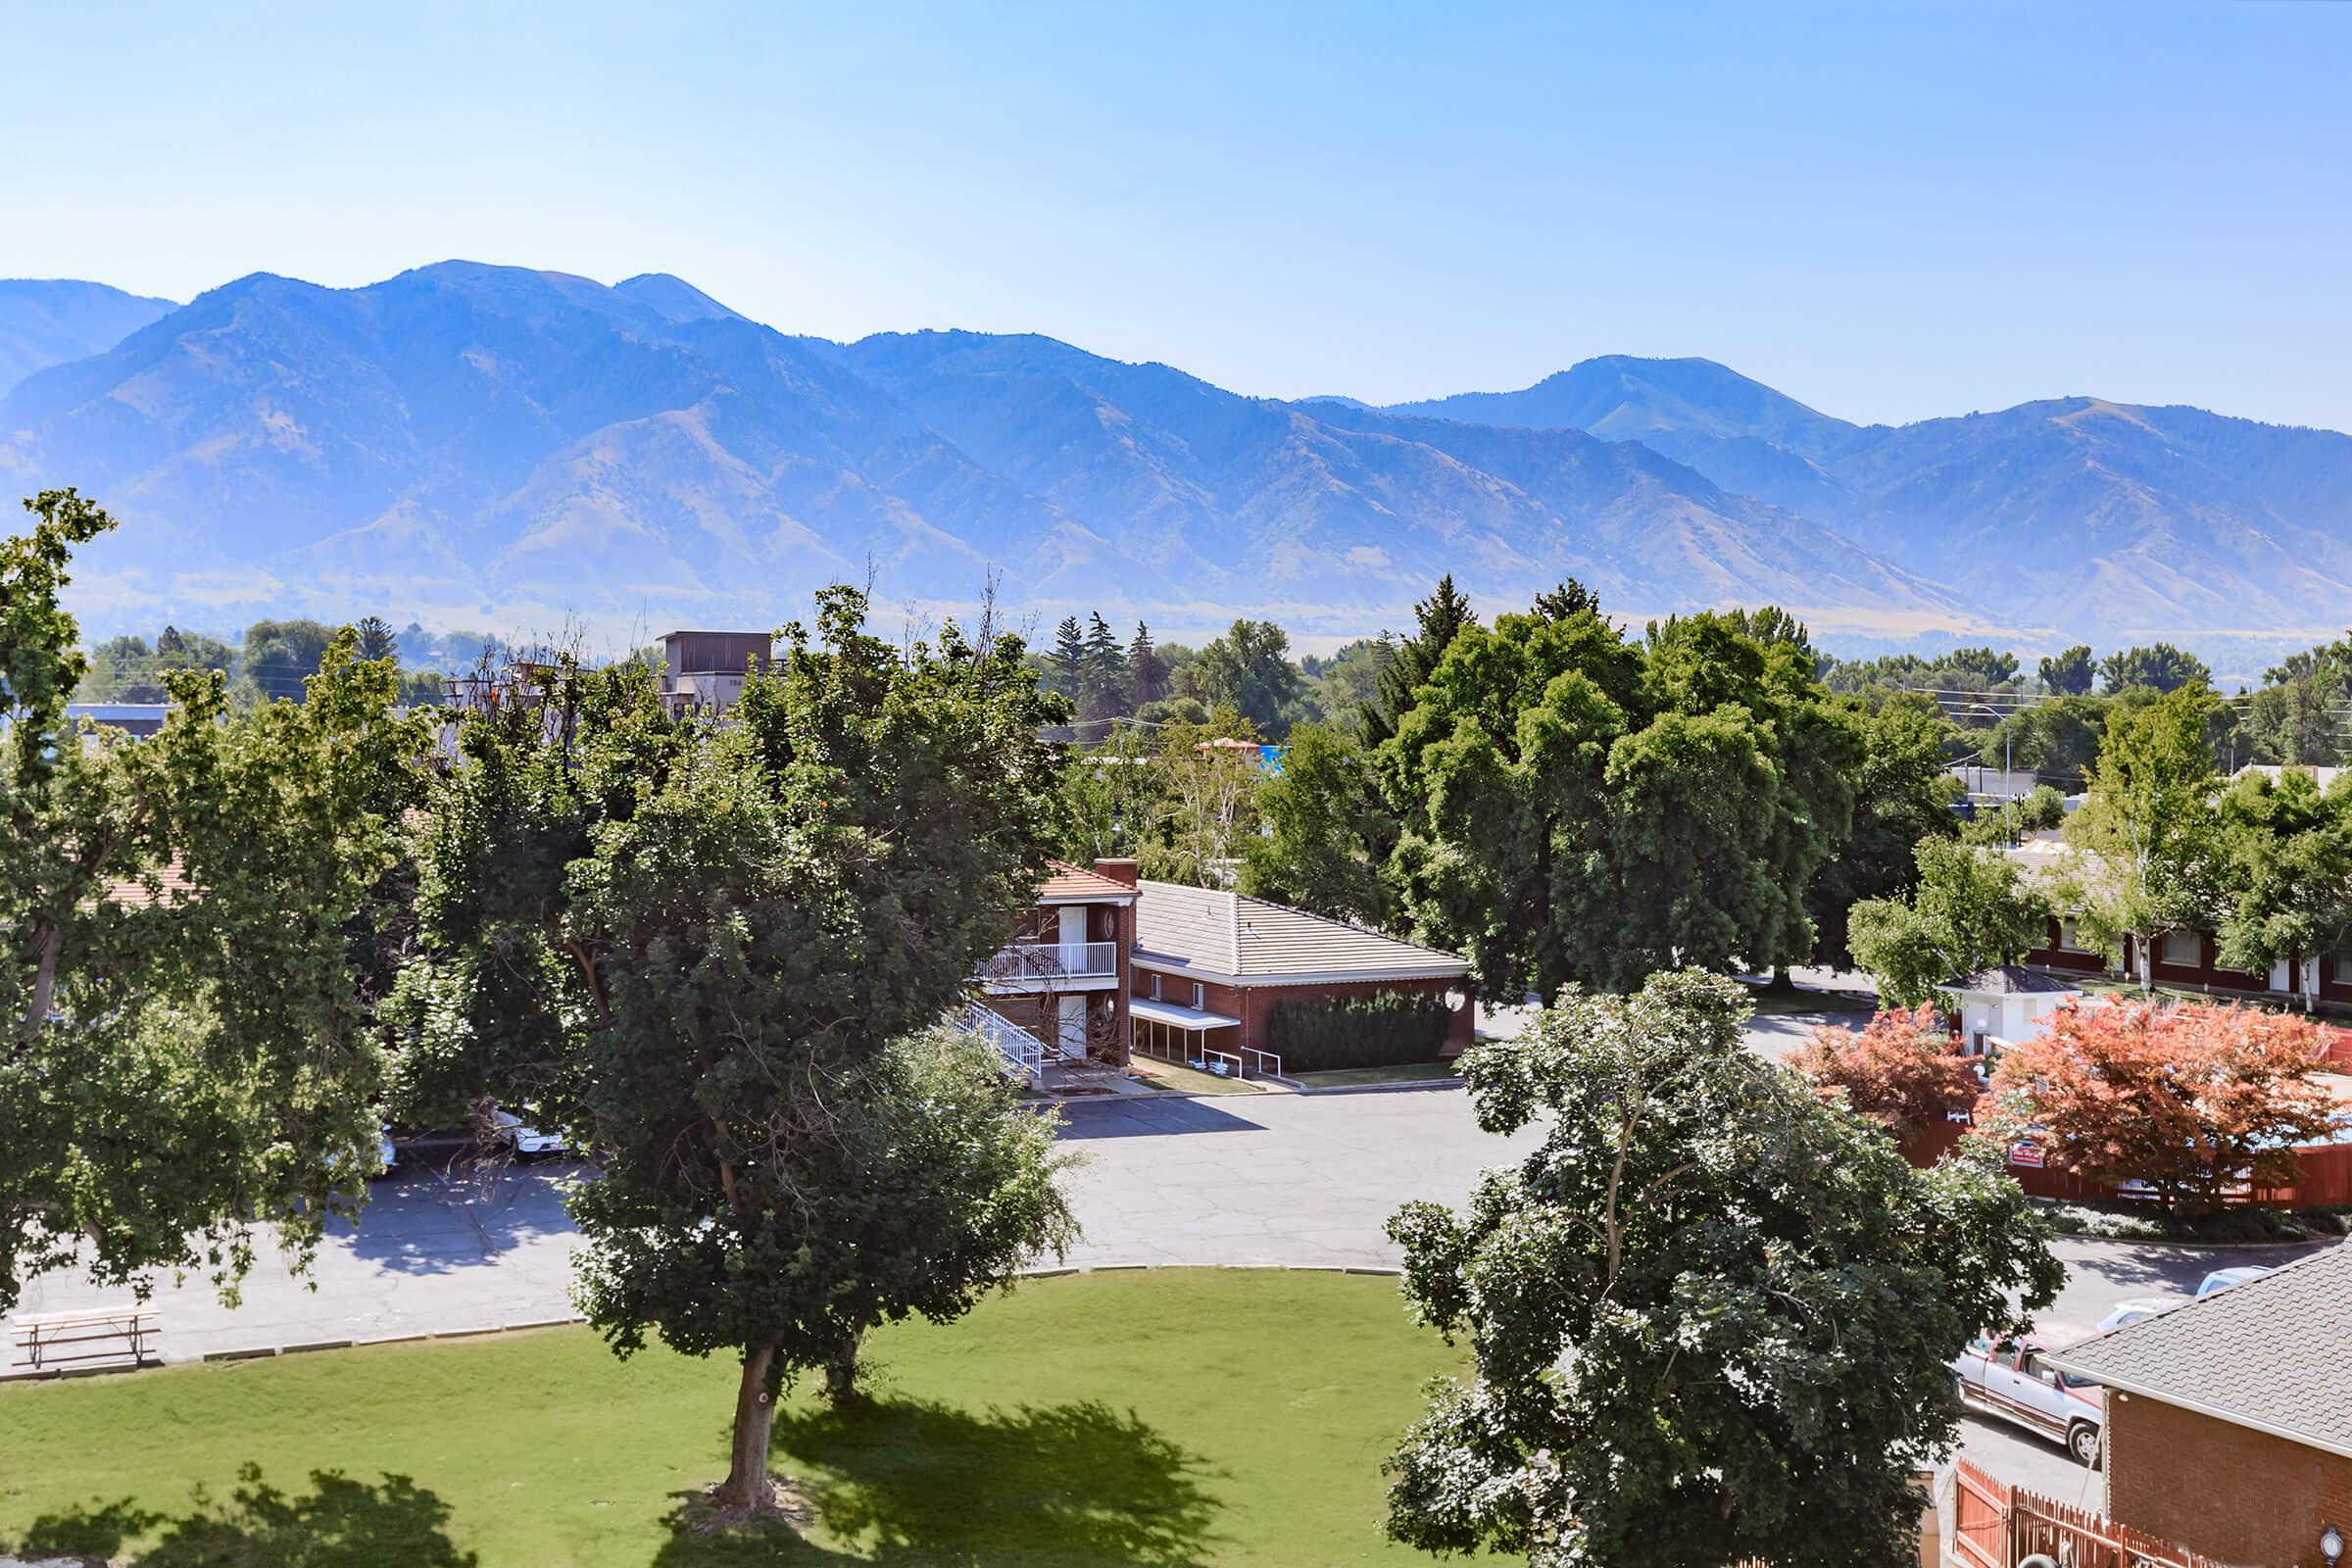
{"x": 2316, "y": 1242}
{"x": 266, "y": 1353}
{"x": 1411, "y": 1085}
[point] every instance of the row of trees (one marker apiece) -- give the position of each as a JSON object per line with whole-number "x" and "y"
{"x": 713, "y": 953}
{"x": 2164, "y": 842}
{"x": 2192, "y": 1099}
{"x": 1552, "y": 797}
{"x": 272, "y": 660}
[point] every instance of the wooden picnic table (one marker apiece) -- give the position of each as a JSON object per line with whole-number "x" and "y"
{"x": 95, "y": 1334}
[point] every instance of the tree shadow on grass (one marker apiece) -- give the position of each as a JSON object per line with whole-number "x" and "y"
{"x": 908, "y": 1482}
{"x": 341, "y": 1524}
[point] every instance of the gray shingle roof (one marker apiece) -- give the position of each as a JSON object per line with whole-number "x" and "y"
{"x": 2268, "y": 1355}
{"x": 1210, "y": 931}
{"x": 2009, "y": 979}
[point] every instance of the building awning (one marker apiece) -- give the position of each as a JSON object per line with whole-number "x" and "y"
{"x": 1176, "y": 1018}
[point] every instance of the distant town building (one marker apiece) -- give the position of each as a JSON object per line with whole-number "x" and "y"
{"x": 1993, "y": 784}
{"x": 706, "y": 669}
{"x": 138, "y": 721}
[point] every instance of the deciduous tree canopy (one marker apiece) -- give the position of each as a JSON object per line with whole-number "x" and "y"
{"x": 190, "y": 930}
{"x": 691, "y": 943}
{"x": 2191, "y": 1099}
{"x": 1711, "y": 1314}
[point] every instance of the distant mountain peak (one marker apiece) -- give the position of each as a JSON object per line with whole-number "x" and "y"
{"x": 671, "y": 297}
{"x": 54, "y": 320}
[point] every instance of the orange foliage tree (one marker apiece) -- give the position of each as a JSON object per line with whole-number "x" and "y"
{"x": 1898, "y": 1070}
{"x": 2191, "y": 1099}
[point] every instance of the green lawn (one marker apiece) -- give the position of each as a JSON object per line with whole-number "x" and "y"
{"x": 1162, "y": 1417}
{"x": 1410, "y": 1072}
{"x": 1189, "y": 1080}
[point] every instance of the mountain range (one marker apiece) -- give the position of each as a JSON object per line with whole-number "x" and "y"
{"x": 495, "y": 446}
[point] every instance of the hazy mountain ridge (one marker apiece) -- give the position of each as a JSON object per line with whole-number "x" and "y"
{"x": 45, "y": 322}
{"x": 477, "y": 443}
{"x": 492, "y": 443}
{"x": 2114, "y": 520}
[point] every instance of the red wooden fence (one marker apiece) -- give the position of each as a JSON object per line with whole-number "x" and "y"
{"x": 1995, "y": 1525}
{"x": 2323, "y": 1176}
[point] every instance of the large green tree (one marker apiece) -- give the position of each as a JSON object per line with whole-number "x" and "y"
{"x": 2148, "y": 851}
{"x": 1902, "y": 798}
{"x": 2287, "y": 847}
{"x": 2160, "y": 668}
{"x": 2069, "y": 673}
{"x": 1320, "y": 812}
{"x": 1971, "y": 906}
{"x": 191, "y": 928}
{"x": 1578, "y": 807}
{"x": 2303, "y": 710}
{"x": 1711, "y": 1314}
{"x": 1249, "y": 670}
{"x": 276, "y": 657}
{"x": 691, "y": 942}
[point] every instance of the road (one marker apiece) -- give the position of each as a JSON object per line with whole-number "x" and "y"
{"x": 1245, "y": 1179}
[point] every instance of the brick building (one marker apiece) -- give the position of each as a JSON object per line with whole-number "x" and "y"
{"x": 2229, "y": 1429}
{"x": 1062, "y": 980}
{"x": 1209, "y": 966}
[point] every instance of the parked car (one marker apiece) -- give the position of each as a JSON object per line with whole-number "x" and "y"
{"x": 2139, "y": 1307}
{"x": 2012, "y": 1378}
{"x": 522, "y": 1140}
{"x": 387, "y": 1156}
{"x": 2221, "y": 1279}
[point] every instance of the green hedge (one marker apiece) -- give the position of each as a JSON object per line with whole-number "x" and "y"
{"x": 1376, "y": 1031}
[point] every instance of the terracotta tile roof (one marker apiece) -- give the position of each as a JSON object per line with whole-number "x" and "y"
{"x": 1214, "y": 932}
{"x": 1069, "y": 882}
{"x": 2267, "y": 1354}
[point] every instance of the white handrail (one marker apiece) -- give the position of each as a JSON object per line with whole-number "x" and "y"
{"x": 1023, "y": 1053}
{"x": 1053, "y": 961}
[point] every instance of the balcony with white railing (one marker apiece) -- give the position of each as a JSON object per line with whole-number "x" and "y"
{"x": 1053, "y": 966}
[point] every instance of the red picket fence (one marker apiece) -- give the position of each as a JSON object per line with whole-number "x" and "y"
{"x": 1995, "y": 1525}
{"x": 2323, "y": 1176}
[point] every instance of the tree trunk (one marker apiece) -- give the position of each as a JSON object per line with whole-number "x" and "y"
{"x": 841, "y": 1373}
{"x": 1779, "y": 983}
{"x": 747, "y": 1484}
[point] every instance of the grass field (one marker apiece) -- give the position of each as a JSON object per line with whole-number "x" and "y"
{"x": 1410, "y": 1072}
{"x": 1162, "y": 1417}
{"x": 1189, "y": 1080}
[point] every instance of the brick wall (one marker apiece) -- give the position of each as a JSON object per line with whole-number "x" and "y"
{"x": 2231, "y": 1493}
{"x": 1255, "y": 1005}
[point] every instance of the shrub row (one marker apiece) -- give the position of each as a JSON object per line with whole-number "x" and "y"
{"x": 1376, "y": 1031}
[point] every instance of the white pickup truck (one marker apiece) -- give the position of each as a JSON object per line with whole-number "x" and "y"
{"x": 2012, "y": 1378}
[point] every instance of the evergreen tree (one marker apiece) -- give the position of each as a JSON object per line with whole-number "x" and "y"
{"x": 1440, "y": 617}
{"x": 1065, "y": 666}
{"x": 1146, "y": 671}
{"x": 1104, "y": 686}
{"x": 2069, "y": 674}
{"x": 375, "y": 638}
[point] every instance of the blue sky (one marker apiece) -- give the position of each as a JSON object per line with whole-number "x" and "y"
{"x": 1888, "y": 211}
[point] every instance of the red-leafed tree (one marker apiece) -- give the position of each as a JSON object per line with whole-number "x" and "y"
{"x": 2191, "y": 1099}
{"x": 1898, "y": 1070}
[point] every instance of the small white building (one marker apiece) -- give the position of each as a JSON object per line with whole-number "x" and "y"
{"x": 2003, "y": 1004}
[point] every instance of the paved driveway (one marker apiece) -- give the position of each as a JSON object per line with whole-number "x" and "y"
{"x": 1238, "y": 1179}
